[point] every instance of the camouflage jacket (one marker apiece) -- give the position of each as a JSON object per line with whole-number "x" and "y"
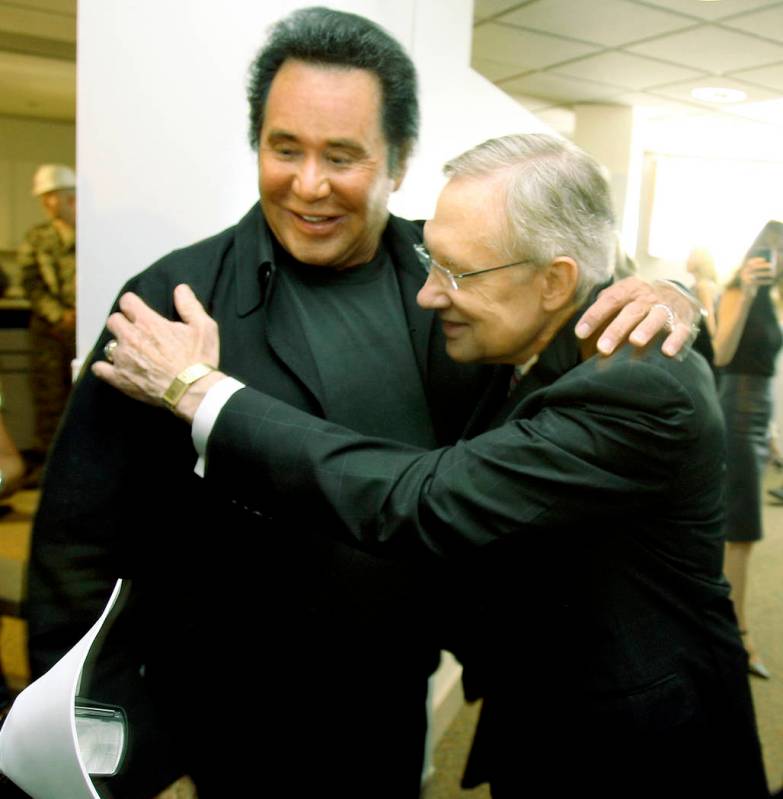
{"x": 48, "y": 266}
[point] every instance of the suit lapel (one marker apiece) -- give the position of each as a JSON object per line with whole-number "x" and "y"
{"x": 561, "y": 355}
{"x": 286, "y": 337}
{"x": 263, "y": 340}
{"x": 494, "y": 398}
{"x": 399, "y": 239}
{"x": 282, "y": 326}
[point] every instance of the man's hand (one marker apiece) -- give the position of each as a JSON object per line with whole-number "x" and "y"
{"x": 637, "y": 311}
{"x": 152, "y": 350}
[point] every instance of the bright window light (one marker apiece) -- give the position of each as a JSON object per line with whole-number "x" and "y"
{"x": 712, "y": 203}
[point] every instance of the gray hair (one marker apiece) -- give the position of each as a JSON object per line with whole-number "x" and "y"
{"x": 557, "y": 202}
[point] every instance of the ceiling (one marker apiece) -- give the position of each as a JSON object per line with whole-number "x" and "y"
{"x": 38, "y": 58}
{"x": 553, "y": 55}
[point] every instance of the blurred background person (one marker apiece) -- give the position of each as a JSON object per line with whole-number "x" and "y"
{"x": 47, "y": 259}
{"x": 12, "y": 465}
{"x": 705, "y": 287}
{"x": 747, "y": 340}
{"x": 701, "y": 265}
{"x": 12, "y": 468}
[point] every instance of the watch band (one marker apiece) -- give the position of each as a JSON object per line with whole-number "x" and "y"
{"x": 180, "y": 383}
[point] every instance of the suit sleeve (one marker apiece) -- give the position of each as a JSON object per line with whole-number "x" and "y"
{"x": 105, "y": 502}
{"x": 99, "y": 486}
{"x": 613, "y": 437}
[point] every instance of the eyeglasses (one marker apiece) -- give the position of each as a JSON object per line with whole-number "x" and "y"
{"x": 430, "y": 264}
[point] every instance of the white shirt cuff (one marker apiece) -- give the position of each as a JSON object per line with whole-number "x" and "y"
{"x": 207, "y": 414}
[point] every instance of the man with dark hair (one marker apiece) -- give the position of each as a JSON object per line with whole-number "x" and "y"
{"x": 315, "y": 296}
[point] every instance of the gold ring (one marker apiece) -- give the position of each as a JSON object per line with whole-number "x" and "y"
{"x": 108, "y": 350}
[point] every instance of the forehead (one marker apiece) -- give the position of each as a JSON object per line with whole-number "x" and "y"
{"x": 468, "y": 224}
{"x": 311, "y": 99}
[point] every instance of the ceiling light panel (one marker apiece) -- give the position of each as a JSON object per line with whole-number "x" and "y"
{"x": 709, "y": 11}
{"x": 607, "y": 22}
{"x": 524, "y": 49}
{"x": 626, "y": 70}
{"x": 682, "y": 91}
{"x": 712, "y": 48}
{"x": 771, "y": 77}
{"x": 483, "y": 9}
{"x": 767, "y": 23}
{"x": 560, "y": 89}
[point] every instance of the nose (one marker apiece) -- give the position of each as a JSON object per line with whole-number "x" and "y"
{"x": 433, "y": 295}
{"x": 310, "y": 182}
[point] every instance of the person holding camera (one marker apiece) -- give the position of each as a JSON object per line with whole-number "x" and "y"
{"x": 746, "y": 343}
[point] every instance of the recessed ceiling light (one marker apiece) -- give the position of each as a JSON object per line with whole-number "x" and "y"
{"x": 718, "y": 94}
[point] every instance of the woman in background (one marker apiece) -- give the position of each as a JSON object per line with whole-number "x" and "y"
{"x": 705, "y": 283}
{"x": 746, "y": 342}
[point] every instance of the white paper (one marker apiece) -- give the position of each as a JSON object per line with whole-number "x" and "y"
{"x": 39, "y": 746}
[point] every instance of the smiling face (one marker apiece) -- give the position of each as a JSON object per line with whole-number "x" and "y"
{"x": 498, "y": 317}
{"x": 323, "y": 164}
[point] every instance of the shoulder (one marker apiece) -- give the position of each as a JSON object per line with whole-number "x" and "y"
{"x": 183, "y": 260}
{"x": 198, "y": 265}
{"x": 631, "y": 367}
{"x": 655, "y": 389}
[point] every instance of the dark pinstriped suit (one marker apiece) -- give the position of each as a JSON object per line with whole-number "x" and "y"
{"x": 586, "y": 523}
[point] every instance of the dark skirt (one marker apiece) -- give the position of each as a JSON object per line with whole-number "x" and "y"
{"x": 747, "y": 407}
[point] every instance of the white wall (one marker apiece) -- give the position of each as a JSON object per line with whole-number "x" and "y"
{"x": 163, "y": 158}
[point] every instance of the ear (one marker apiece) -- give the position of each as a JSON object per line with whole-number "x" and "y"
{"x": 560, "y": 280}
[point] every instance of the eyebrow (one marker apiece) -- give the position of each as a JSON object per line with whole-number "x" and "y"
{"x": 345, "y": 144}
{"x": 445, "y": 261}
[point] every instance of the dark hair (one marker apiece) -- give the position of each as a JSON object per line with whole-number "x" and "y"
{"x": 326, "y": 37}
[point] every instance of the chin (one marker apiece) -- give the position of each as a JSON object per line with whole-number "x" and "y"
{"x": 459, "y": 355}
{"x": 313, "y": 256}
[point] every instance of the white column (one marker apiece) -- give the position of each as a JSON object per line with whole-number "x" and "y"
{"x": 608, "y": 133}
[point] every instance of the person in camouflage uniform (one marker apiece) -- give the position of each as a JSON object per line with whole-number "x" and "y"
{"x": 47, "y": 258}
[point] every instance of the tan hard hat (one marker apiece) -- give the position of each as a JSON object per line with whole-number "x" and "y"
{"x": 49, "y": 177}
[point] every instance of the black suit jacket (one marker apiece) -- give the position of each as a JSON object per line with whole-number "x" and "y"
{"x": 120, "y": 499}
{"x": 587, "y": 523}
